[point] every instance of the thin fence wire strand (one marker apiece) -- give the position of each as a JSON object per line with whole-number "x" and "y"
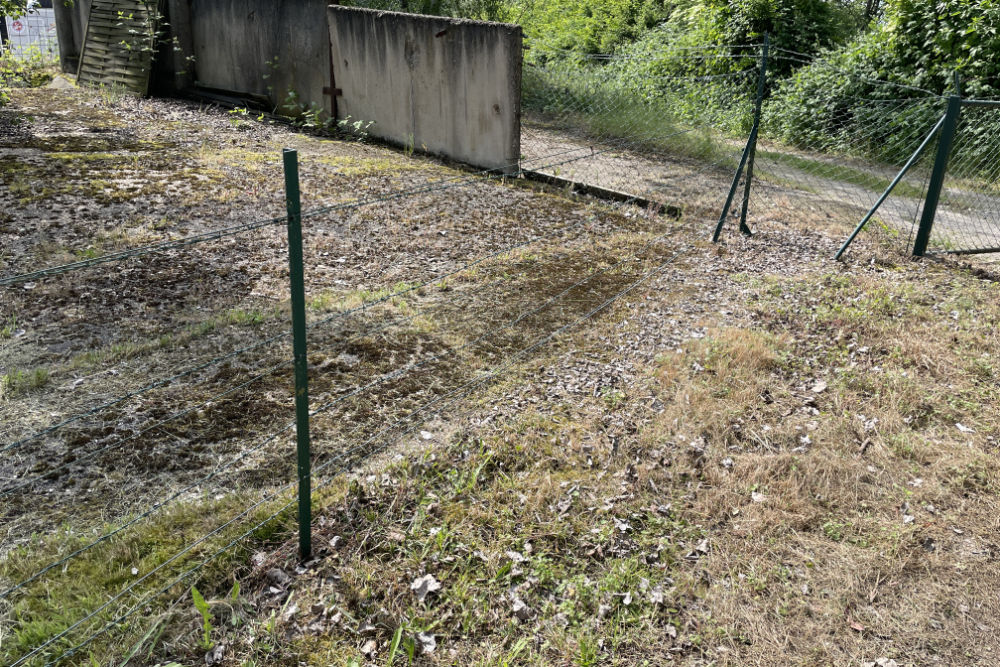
{"x": 569, "y": 123}
{"x": 356, "y": 391}
{"x": 183, "y": 576}
{"x": 522, "y": 317}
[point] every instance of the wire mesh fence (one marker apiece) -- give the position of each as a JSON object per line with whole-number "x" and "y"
{"x": 814, "y": 170}
{"x": 670, "y": 129}
{"x": 967, "y": 218}
{"x": 163, "y": 443}
{"x": 649, "y": 129}
{"x": 177, "y": 424}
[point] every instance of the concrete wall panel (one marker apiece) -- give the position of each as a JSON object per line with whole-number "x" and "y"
{"x": 446, "y": 86}
{"x": 262, "y": 47}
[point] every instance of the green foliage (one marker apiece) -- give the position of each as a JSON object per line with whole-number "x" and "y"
{"x": 588, "y": 27}
{"x": 665, "y": 27}
{"x": 927, "y": 42}
{"x": 32, "y": 68}
{"x": 828, "y": 104}
{"x": 577, "y": 97}
{"x": 13, "y": 7}
{"x": 206, "y": 618}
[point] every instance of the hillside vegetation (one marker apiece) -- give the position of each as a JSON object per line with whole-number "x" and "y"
{"x": 842, "y": 49}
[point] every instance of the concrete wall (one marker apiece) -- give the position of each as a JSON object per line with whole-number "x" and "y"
{"x": 227, "y": 44}
{"x": 234, "y": 40}
{"x": 70, "y": 23}
{"x": 445, "y": 86}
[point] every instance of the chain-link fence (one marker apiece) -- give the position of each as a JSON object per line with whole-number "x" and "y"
{"x": 186, "y": 403}
{"x": 673, "y": 129}
{"x": 650, "y": 130}
{"x": 967, "y": 215}
{"x": 813, "y": 168}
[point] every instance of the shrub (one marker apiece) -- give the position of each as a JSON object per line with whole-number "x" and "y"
{"x": 832, "y": 102}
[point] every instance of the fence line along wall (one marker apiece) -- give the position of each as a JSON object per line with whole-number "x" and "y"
{"x": 440, "y": 85}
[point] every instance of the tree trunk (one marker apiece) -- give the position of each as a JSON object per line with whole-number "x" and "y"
{"x": 872, "y": 8}
{"x": 4, "y": 37}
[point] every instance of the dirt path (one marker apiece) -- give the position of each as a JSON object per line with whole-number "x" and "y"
{"x": 966, "y": 219}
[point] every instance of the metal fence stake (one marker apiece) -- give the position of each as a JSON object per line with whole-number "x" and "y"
{"x": 750, "y": 147}
{"x": 937, "y": 175}
{"x": 758, "y": 106}
{"x": 732, "y": 189}
{"x": 892, "y": 186}
{"x": 298, "y": 299}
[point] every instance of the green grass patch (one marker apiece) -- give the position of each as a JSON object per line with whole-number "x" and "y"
{"x": 18, "y": 382}
{"x": 840, "y": 172}
{"x": 329, "y": 300}
{"x": 144, "y": 559}
{"x": 9, "y": 327}
{"x": 578, "y": 99}
{"x": 237, "y": 317}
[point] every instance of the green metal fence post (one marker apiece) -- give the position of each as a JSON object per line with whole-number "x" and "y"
{"x": 732, "y": 189}
{"x": 892, "y": 186}
{"x": 937, "y": 175}
{"x": 758, "y": 107}
{"x": 298, "y": 298}
{"x": 749, "y": 151}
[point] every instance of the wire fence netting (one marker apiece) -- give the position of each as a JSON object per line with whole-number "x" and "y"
{"x": 161, "y": 441}
{"x": 172, "y": 387}
{"x": 670, "y": 129}
{"x": 815, "y": 170}
{"x": 656, "y": 131}
{"x": 967, "y": 219}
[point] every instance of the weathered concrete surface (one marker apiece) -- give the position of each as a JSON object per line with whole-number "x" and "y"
{"x": 263, "y": 47}
{"x": 71, "y": 20}
{"x": 444, "y": 86}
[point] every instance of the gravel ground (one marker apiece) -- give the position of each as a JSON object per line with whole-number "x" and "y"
{"x": 91, "y": 176}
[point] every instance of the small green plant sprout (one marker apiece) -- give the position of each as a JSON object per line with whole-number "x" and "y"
{"x": 394, "y": 644}
{"x": 9, "y": 329}
{"x": 238, "y": 116}
{"x": 206, "y": 618}
{"x": 354, "y": 128}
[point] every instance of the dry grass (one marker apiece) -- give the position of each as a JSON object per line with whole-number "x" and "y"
{"x": 757, "y": 460}
{"x": 785, "y": 485}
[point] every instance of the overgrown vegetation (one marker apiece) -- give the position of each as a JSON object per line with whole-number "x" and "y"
{"x": 821, "y": 90}
{"x": 31, "y": 68}
{"x": 931, "y": 46}
{"x": 829, "y": 474}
